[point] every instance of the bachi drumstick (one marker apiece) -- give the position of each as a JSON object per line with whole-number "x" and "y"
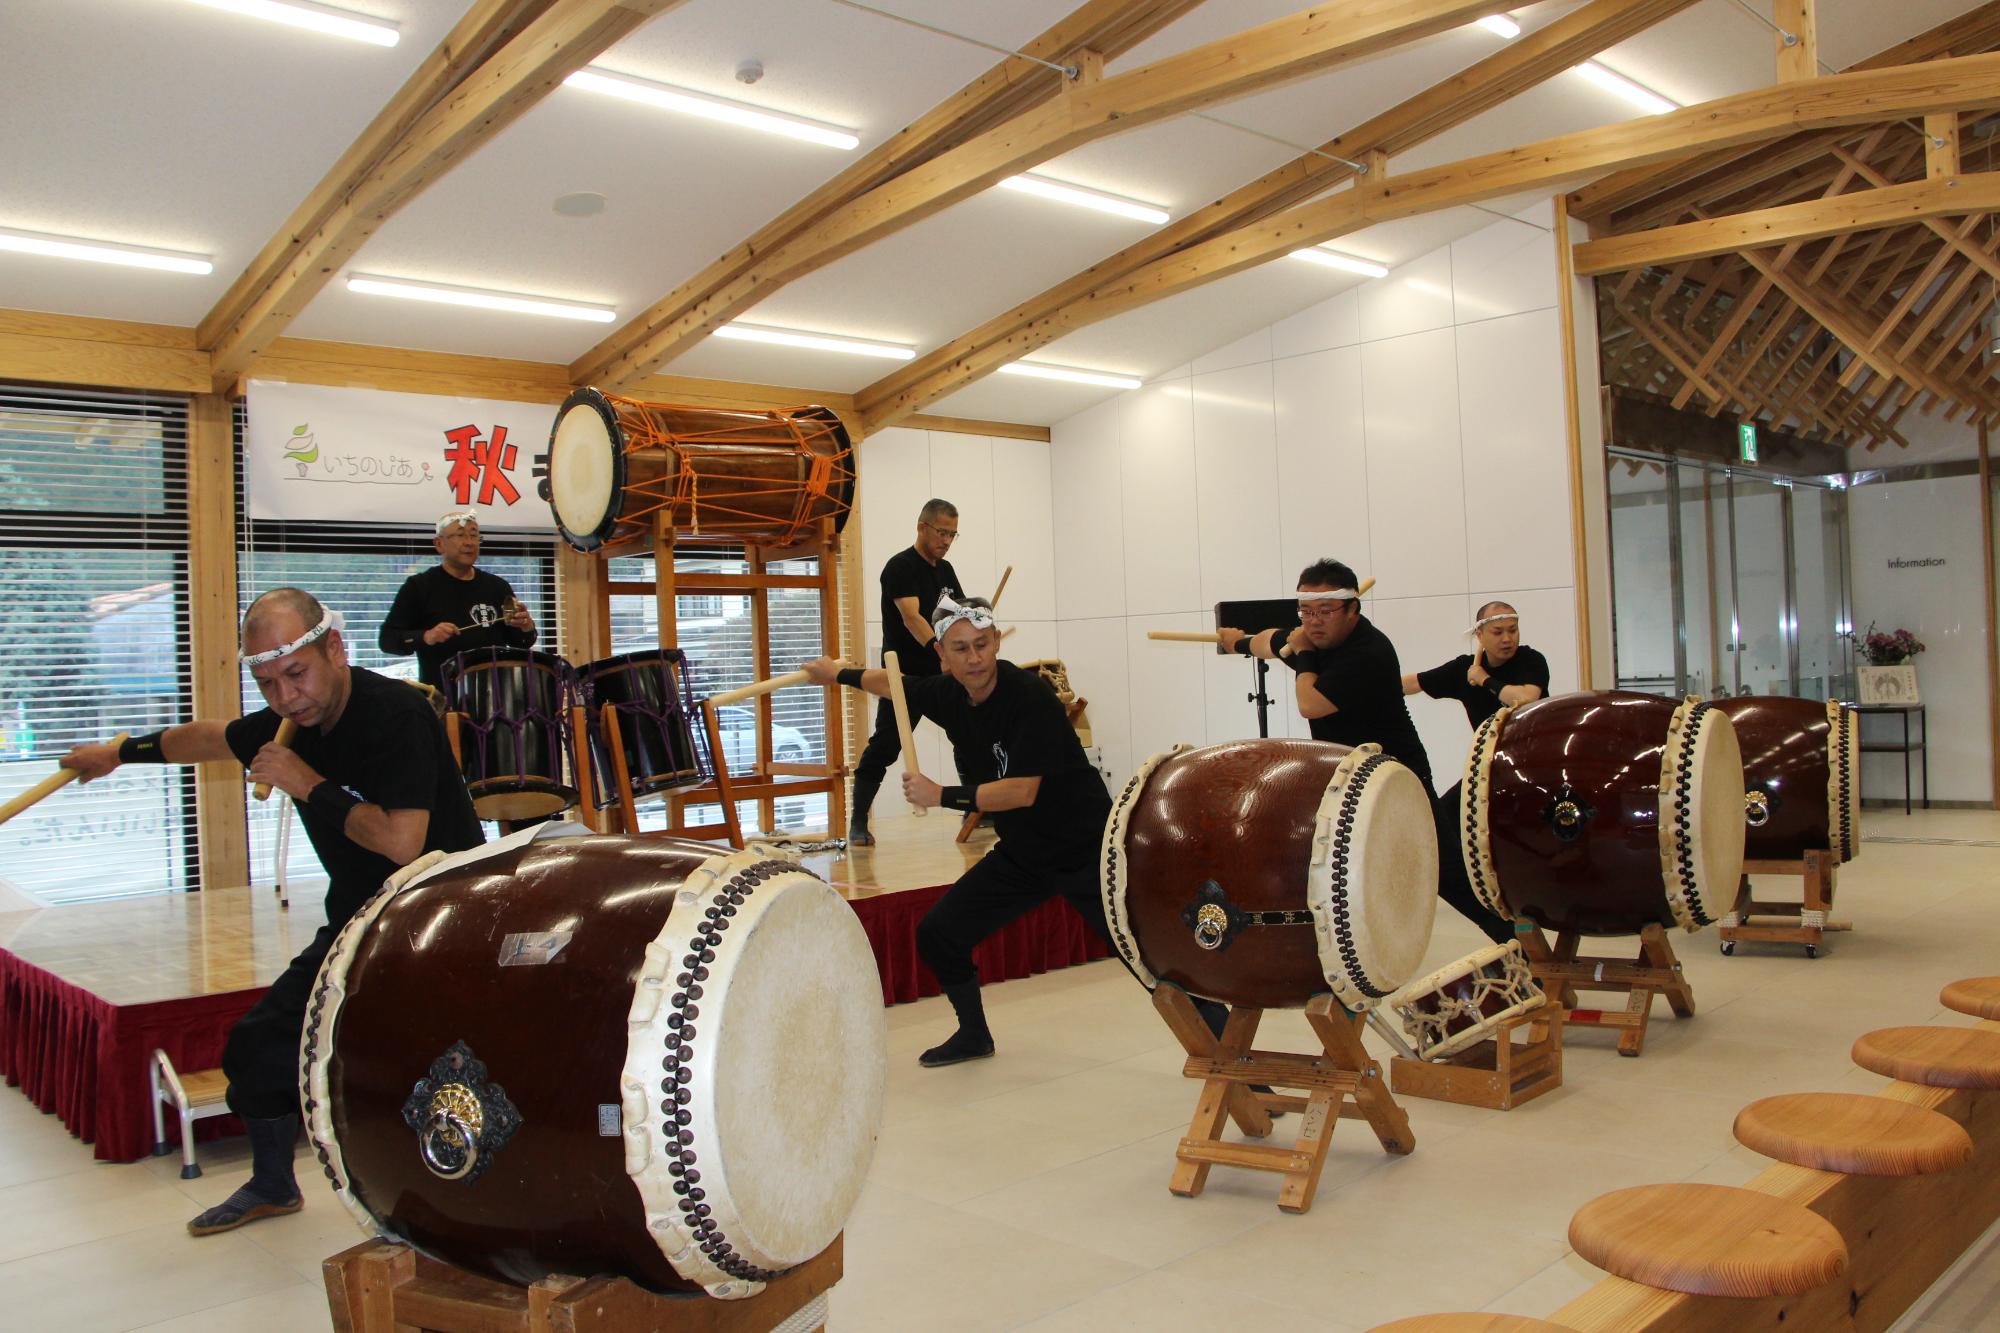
{"x": 894, "y": 667}
{"x": 1006, "y": 574}
{"x": 49, "y": 785}
{"x": 742, "y": 692}
{"x": 286, "y": 730}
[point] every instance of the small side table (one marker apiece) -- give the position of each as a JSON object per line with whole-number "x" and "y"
{"x": 1906, "y": 747}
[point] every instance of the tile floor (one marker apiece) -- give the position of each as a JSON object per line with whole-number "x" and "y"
{"x": 1028, "y": 1192}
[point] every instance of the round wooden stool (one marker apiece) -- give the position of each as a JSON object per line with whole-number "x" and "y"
{"x": 1978, "y": 996}
{"x": 1708, "y": 1240}
{"x": 1935, "y": 1057}
{"x": 1471, "y": 1323}
{"x": 1854, "y": 1135}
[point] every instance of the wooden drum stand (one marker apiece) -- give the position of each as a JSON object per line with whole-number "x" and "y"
{"x": 382, "y": 1287}
{"x": 1808, "y": 925}
{"x": 1341, "y": 1080}
{"x": 1561, "y": 972}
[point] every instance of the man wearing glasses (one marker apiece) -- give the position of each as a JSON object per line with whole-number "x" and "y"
{"x": 1350, "y": 685}
{"x": 912, "y": 581}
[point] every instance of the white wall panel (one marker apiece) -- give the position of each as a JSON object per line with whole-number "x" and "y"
{"x": 895, "y": 480}
{"x": 1169, "y": 691}
{"x": 1089, "y": 527}
{"x": 1503, "y": 270}
{"x": 1335, "y": 322}
{"x": 1024, "y": 535}
{"x": 1236, "y": 478}
{"x": 1411, "y": 299}
{"x": 1427, "y": 631}
{"x": 1161, "y": 559}
{"x": 1095, "y": 653}
{"x": 1416, "y": 511}
{"x": 1322, "y": 461}
{"x": 1030, "y": 640}
{"x": 962, "y": 472}
{"x": 1515, "y": 443}
{"x": 1251, "y": 349}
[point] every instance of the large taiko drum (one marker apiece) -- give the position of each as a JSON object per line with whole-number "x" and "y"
{"x": 1606, "y": 812}
{"x": 615, "y": 464}
{"x": 565, "y": 1054}
{"x": 513, "y": 736}
{"x": 1265, "y": 872}
{"x": 1801, "y": 776}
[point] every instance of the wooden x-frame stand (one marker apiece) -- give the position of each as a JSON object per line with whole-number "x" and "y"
{"x": 1807, "y": 925}
{"x": 1339, "y": 1081}
{"x": 1561, "y": 973}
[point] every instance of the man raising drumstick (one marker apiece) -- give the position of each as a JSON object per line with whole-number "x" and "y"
{"x": 1023, "y": 766}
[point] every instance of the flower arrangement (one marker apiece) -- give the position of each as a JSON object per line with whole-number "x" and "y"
{"x": 1891, "y": 649}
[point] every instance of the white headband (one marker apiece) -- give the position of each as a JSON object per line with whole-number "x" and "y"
{"x": 454, "y": 518}
{"x": 329, "y": 621}
{"x": 1336, "y": 595}
{"x": 1484, "y": 621}
{"x": 949, "y": 613}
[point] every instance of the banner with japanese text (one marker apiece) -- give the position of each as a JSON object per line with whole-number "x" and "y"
{"x": 314, "y": 453}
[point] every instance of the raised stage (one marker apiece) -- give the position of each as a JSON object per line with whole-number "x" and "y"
{"x": 88, "y": 992}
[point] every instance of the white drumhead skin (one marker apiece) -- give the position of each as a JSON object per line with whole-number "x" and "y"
{"x": 580, "y": 469}
{"x": 1701, "y": 774}
{"x": 1388, "y": 875}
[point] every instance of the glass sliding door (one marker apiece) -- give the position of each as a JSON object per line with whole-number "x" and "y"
{"x": 1760, "y": 538}
{"x": 1644, "y": 641}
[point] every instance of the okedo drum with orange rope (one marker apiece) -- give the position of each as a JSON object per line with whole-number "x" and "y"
{"x": 1604, "y": 812}
{"x": 616, "y": 465}
{"x": 1801, "y": 776}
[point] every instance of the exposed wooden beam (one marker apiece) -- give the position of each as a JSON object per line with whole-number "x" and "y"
{"x": 1798, "y": 39}
{"x": 1520, "y": 65}
{"x": 1103, "y": 29}
{"x": 1941, "y": 145}
{"x": 1862, "y": 210}
{"x": 1947, "y": 234}
{"x": 1310, "y": 42}
{"x": 568, "y": 35}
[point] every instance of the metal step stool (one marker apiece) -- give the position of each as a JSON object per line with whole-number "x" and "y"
{"x": 194, "y": 1096}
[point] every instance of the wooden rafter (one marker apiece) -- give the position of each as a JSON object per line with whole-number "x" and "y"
{"x": 1310, "y": 42}
{"x": 484, "y": 99}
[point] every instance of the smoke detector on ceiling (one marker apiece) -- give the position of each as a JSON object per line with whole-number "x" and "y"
{"x": 750, "y": 71}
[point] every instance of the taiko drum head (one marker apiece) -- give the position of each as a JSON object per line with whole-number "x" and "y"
{"x": 586, "y": 469}
{"x": 1702, "y": 850}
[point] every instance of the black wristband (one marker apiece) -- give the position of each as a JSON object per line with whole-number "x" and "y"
{"x": 960, "y": 798}
{"x": 333, "y": 802}
{"x": 143, "y": 749}
{"x": 1243, "y": 648}
{"x": 1292, "y": 659}
{"x": 848, "y": 676}
{"x": 1493, "y": 687}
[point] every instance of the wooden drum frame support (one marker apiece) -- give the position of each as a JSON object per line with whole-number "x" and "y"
{"x": 1497, "y": 1074}
{"x": 1807, "y": 924}
{"x": 382, "y": 1287}
{"x": 1341, "y": 1080}
{"x": 719, "y": 789}
{"x": 1561, "y": 973}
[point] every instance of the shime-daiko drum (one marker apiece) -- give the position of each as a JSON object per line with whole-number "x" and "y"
{"x": 1603, "y": 813}
{"x": 616, "y": 464}
{"x": 1801, "y": 776}
{"x": 514, "y": 741}
{"x": 1265, "y": 872}
{"x": 1463, "y": 1003}
{"x": 600, "y": 1054}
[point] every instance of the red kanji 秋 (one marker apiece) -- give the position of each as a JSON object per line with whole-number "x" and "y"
{"x": 479, "y": 460}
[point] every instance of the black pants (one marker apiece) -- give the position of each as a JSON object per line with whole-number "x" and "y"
{"x": 262, "y": 1057}
{"x": 988, "y": 896}
{"x": 1453, "y": 886}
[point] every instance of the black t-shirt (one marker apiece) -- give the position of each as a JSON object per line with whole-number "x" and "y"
{"x": 910, "y": 575}
{"x": 1022, "y": 731}
{"x": 1363, "y": 680}
{"x": 434, "y": 595}
{"x": 388, "y": 749}
{"x": 1525, "y": 667}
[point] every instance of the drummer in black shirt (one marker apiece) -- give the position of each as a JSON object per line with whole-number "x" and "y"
{"x": 1028, "y": 773}
{"x": 1499, "y": 671}
{"x": 454, "y": 606}
{"x": 912, "y": 581}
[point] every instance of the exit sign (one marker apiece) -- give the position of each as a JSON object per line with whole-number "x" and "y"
{"x": 1746, "y": 441}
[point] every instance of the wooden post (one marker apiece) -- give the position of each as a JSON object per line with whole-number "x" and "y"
{"x": 223, "y": 837}
{"x": 1573, "y": 416}
{"x": 760, "y": 669}
{"x": 1992, "y": 625}
{"x": 583, "y": 602}
{"x": 1798, "y": 58}
{"x": 831, "y": 556}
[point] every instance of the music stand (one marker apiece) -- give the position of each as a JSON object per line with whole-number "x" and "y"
{"x": 1254, "y": 617}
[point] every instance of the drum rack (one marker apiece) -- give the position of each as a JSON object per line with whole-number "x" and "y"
{"x": 1561, "y": 972}
{"x": 1806, "y": 925}
{"x": 382, "y": 1287}
{"x": 1341, "y": 1081}
{"x": 1497, "y": 1074}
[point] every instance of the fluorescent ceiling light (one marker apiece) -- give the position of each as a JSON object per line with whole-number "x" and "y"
{"x": 316, "y": 18}
{"x": 102, "y": 252}
{"x": 472, "y": 296}
{"x": 818, "y": 342}
{"x": 1082, "y": 198}
{"x": 1645, "y": 99}
{"x": 1501, "y": 26}
{"x": 712, "y": 108}
{"x": 1037, "y": 370}
{"x": 1319, "y": 254}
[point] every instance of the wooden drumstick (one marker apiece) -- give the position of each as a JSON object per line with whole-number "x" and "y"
{"x": 49, "y": 785}
{"x": 1183, "y": 636}
{"x": 1359, "y": 593}
{"x": 1006, "y": 574}
{"x": 742, "y": 692}
{"x": 286, "y": 730}
{"x": 894, "y": 667}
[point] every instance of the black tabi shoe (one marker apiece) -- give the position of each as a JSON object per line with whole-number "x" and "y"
{"x": 240, "y": 1209}
{"x": 958, "y": 1049}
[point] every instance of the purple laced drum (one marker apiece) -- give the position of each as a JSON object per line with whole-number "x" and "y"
{"x": 514, "y": 730}
{"x": 653, "y": 709}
